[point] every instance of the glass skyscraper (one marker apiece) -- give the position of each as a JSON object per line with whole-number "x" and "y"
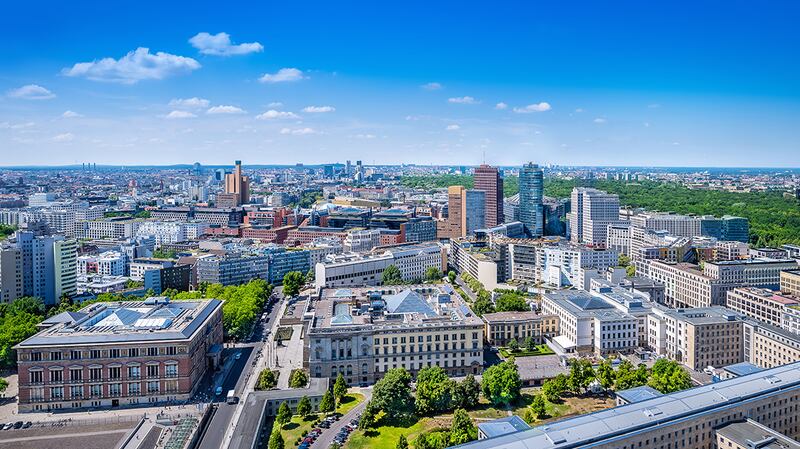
{"x": 531, "y": 193}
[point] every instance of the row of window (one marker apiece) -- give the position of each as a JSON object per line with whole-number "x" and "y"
{"x": 115, "y": 353}
{"x": 56, "y": 374}
{"x": 96, "y": 391}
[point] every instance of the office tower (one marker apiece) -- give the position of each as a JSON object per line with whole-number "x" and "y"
{"x": 10, "y": 274}
{"x": 488, "y": 179}
{"x": 531, "y": 194}
{"x": 474, "y": 211}
{"x": 592, "y": 211}
{"x": 238, "y": 184}
{"x": 197, "y": 169}
{"x": 735, "y": 229}
{"x": 348, "y": 169}
{"x": 466, "y": 210}
{"x": 359, "y": 176}
{"x": 65, "y": 268}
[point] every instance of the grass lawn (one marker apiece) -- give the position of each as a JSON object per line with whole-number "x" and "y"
{"x": 385, "y": 437}
{"x": 571, "y": 406}
{"x": 522, "y": 352}
{"x": 349, "y": 402}
{"x": 294, "y": 428}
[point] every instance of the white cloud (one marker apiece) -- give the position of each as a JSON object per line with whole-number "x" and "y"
{"x": 273, "y": 114}
{"x": 535, "y": 107}
{"x": 364, "y": 136}
{"x": 453, "y": 128}
{"x": 462, "y": 100}
{"x": 220, "y": 45}
{"x": 282, "y": 76}
{"x": 275, "y": 104}
{"x": 600, "y": 120}
{"x": 136, "y": 66}
{"x": 223, "y": 109}
{"x": 579, "y": 110}
{"x": 298, "y": 131}
{"x": 432, "y": 86}
{"x": 71, "y": 114}
{"x": 65, "y": 137}
{"x": 319, "y": 109}
{"x": 31, "y": 92}
{"x": 179, "y": 114}
{"x": 192, "y": 103}
{"x": 500, "y": 106}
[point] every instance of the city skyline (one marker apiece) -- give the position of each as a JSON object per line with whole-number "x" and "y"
{"x": 277, "y": 84}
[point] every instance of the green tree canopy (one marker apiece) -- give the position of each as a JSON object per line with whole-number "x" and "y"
{"x": 392, "y": 394}
{"x": 539, "y": 406}
{"x": 462, "y": 430}
{"x": 555, "y": 388}
{"x": 391, "y": 276}
{"x": 298, "y": 378}
{"x": 292, "y": 283}
{"x": 402, "y": 442}
{"x": 304, "y": 406}
{"x": 276, "y": 440}
{"x": 284, "y": 414}
{"x": 340, "y": 388}
{"x": 434, "y": 391}
{"x": 501, "y": 383}
{"x": 511, "y": 302}
{"x": 328, "y": 403}
{"x": 432, "y": 274}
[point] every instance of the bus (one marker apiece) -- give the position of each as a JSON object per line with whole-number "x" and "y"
{"x": 231, "y": 399}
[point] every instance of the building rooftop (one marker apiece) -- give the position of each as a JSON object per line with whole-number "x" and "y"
{"x": 503, "y": 426}
{"x": 511, "y": 316}
{"x": 751, "y": 434}
{"x": 705, "y": 315}
{"x": 130, "y": 321}
{"x": 661, "y": 411}
{"x": 638, "y": 394}
{"x": 742, "y": 369}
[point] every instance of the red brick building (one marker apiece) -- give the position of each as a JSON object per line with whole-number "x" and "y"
{"x": 119, "y": 354}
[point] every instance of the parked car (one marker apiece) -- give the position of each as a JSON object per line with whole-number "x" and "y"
{"x": 27, "y": 424}
{"x": 218, "y": 391}
{"x": 8, "y": 425}
{"x": 18, "y": 424}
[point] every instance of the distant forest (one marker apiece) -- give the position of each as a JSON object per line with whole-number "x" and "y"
{"x": 774, "y": 219}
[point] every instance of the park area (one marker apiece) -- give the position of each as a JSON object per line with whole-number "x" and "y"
{"x": 525, "y": 352}
{"x": 299, "y": 426}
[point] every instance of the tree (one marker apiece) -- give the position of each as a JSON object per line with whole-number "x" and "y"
{"x": 482, "y": 306}
{"x": 421, "y": 442}
{"x": 367, "y": 417}
{"x": 402, "y": 443}
{"x": 304, "y": 406}
{"x": 539, "y": 406}
{"x": 606, "y": 374}
{"x": 630, "y": 270}
{"x": 340, "y": 388}
{"x": 3, "y": 385}
{"x": 511, "y": 302}
{"x": 623, "y": 260}
{"x": 434, "y": 391}
{"x": 298, "y": 379}
{"x": 530, "y": 344}
{"x": 432, "y": 274}
{"x": 292, "y": 283}
{"x": 627, "y": 377}
{"x": 465, "y": 394}
{"x": 512, "y": 344}
{"x": 451, "y": 276}
{"x": 276, "y": 440}
{"x": 555, "y": 388}
{"x": 328, "y": 403}
{"x": 581, "y": 375}
{"x": 392, "y": 394}
{"x": 462, "y": 430}
{"x": 501, "y": 383}
{"x": 284, "y": 414}
{"x": 391, "y": 276}
{"x": 266, "y": 380}
{"x": 668, "y": 376}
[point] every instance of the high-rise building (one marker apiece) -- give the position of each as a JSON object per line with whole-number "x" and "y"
{"x": 238, "y": 184}
{"x": 65, "y": 268}
{"x": 49, "y": 265}
{"x": 466, "y": 209}
{"x": 531, "y": 195}
{"x": 10, "y": 274}
{"x": 592, "y": 211}
{"x": 488, "y": 179}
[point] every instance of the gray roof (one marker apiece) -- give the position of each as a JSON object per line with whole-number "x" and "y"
{"x": 750, "y": 433}
{"x": 64, "y": 317}
{"x": 503, "y": 426}
{"x": 661, "y": 411}
{"x": 638, "y": 394}
{"x": 408, "y": 301}
{"x": 74, "y": 334}
{"x": 743, "y": 369}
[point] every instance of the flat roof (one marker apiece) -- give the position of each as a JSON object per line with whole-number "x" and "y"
{"x": 125, "y": 322}
{"x": 661, "y": 411}
{"x": 750, "y": 433}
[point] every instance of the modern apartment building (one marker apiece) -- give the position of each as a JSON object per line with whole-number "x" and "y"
{"x": 531, "y": 197}
{"x": 761, "y": 304}
{"x": 232, "y": 268}
{"x": 348, "y": 270}
{"x": 364, "y": 332}
{"x": 119, "y": 354}
{"x": 10, "y": 273}
{"x": 107, "y": 263}
{"x": 564, "y": 264}
{"x": 489, "y": 180}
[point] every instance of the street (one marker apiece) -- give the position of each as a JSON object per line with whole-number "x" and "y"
{"x": 237, "y": 377}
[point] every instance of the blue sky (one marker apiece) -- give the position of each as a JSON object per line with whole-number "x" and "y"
{"x": 580, "y": 83}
